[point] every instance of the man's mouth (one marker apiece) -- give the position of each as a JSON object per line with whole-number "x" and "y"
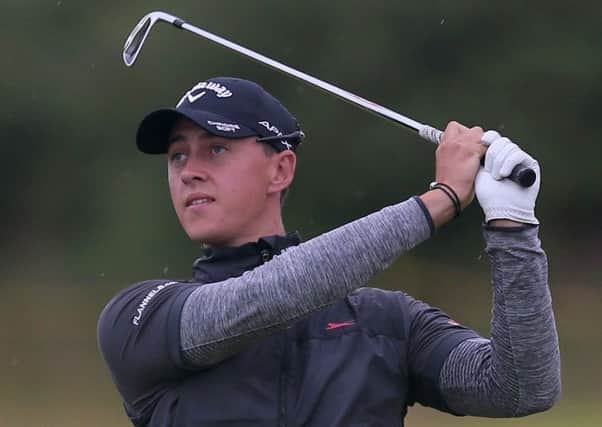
{"x": 196, "y": 200}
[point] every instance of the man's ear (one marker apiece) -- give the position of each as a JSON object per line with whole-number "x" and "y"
{"x": 283, "y": 170}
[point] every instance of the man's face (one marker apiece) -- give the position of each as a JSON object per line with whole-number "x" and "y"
{"x": 220, "y": 187}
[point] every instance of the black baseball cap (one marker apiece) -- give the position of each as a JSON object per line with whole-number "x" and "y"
{"x": 224, "y": 106}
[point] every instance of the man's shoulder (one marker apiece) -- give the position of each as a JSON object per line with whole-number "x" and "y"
{"x": 133, "y": 291}
{"x": 138, "y": 333}
{"x": 145, "y": 285}
{"x": 133, "y": 300}
{"x": 148, "y": 305}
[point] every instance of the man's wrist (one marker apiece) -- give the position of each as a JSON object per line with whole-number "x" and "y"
{"x": 440, "y": 207}
{"x": 450, "y": 192}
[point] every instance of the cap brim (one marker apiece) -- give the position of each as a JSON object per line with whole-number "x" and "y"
{"x": 153, "y": 132}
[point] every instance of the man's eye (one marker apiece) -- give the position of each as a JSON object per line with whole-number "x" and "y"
{"x": 177, "y": 157}
{"x": 218, "y": 149}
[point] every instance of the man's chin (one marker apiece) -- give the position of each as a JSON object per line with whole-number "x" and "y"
{"x": 208, "y": 238}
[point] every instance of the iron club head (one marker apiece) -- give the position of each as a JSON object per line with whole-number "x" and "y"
{"x": 138, "y": 35}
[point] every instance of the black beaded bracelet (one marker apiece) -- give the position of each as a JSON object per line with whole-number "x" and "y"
{"x": 450, "y": 193}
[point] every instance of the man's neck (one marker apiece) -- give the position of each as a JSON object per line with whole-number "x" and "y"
{"x": 266, "y": 225}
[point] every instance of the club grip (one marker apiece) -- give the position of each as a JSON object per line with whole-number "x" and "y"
{"x": 522, "y": 175}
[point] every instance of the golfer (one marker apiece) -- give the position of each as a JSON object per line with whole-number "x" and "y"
{"x": 270, "y": 331}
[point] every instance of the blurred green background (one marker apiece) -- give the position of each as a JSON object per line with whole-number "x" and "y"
{"x": 84, "y": 214}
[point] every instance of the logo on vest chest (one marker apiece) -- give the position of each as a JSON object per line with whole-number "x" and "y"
{"x": 336, "y": 325}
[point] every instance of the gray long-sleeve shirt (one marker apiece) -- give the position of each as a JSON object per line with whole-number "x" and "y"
{"x": 514, "y": 373}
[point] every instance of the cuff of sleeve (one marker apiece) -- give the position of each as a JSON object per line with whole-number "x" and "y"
{"x": 174, "y": 326}
{"x": 505, "y": 237}
{"x": 427, "y": 214}
{"x": 516, "y": 229}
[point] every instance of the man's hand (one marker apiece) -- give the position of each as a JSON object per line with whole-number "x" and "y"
{"x": 458, "y": 158}
{"x": 457, "y": 163}
{"x": 503, "y": 199}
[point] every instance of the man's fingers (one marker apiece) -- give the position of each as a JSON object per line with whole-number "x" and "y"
{"x": 492, "y": 152}
{"x": 511, "y": 161}
{"x": 489, "y": 137}
{"x": 503, "y": 156}
{"x": 452, "y": 130}
{"x": 505, "y": 150}
{"x": 517, "y": 158}
{"x": 477, "y": 133}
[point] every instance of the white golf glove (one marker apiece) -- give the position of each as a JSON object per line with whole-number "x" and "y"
{"x": 502, "y": 198}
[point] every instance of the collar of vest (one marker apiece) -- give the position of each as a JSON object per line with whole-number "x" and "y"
{"x": 217, "y": 264}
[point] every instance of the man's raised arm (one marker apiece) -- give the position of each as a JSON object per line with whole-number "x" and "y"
{"x": 517, "y": 371}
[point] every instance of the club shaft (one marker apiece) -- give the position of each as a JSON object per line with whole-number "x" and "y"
{"x": 520, "y": 174}
{"x": 325, "y": 86}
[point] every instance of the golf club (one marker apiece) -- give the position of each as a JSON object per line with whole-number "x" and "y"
{"x": 520, "y": 174}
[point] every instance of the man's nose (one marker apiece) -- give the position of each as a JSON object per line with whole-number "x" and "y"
{"x": 194, "y": 171}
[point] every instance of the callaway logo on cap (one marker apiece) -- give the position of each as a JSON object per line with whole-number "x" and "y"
{"x": 227, "y": 107}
